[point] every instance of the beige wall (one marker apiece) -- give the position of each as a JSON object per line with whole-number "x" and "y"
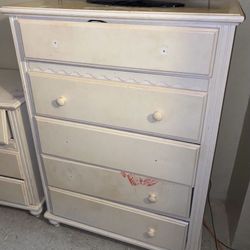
{"x": 7, "y": 51}
{"x": 235, "y": 105}
{"x": 238, "y": 198}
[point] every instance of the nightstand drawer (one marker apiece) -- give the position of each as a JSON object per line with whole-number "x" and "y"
{"x": 159, "y": 231}
{"x": 10, "y": 164}
{"x": 119, "y": 186}
{"x": 184, "y": 50}
{"x": 4, "y": 133}
{"x": 145, "y": 155}
{"x": 12, "y": 190}
{"x": 153, "y": 110}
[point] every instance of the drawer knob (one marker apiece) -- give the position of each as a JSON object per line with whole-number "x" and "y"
{"x": 151, "y": 232}
{"x": 152, "y": 197}
{"x": 61, "y": 101}
{"x": 157, "y": 115}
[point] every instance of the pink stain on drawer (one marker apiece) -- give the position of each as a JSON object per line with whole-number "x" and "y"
{"x": 135, "y": 180}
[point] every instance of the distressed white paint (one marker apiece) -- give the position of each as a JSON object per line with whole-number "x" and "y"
{"x": 146, "y": 155}
{"x": 10, "y": 164}
{"x": 12, "y": 190}
{"x": 121, "y": 105}
{"x": 99, "y": 142}
{"x": 173, "y": 49}
{"x": 169, "y": 233}
{"x": 119, "y": 186}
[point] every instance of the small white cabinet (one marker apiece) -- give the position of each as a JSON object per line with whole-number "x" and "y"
{"x": 20, "y": 184}
{"x": 124, "y": 106}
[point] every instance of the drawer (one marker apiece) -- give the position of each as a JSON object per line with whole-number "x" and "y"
{"x": 119, "y": 186}
{"x": 145, "y": 155}
{"x": 12, "y": 191}
{"x": 10, "y": 164}
{"x": 146, "y": 227}
{"x": 156, "y": 110}
{"x": 146, "y": 47}
{"x": 4, "y": 132}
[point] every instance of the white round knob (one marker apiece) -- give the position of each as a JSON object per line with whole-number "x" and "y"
{"x": 152, "y": 197}
{"x": 61, "y": 101}
{"x": 157, "y": 115}
{"x": 151, "y": 232}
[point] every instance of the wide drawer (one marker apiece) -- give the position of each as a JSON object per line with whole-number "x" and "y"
{"x": 155, "y": 110}
{"x": 145, "y": 155}
{"x": 155, "y": 230}
{"x": 10, "y": 164}
{"x": 12, "y": 190}
{"x": 175, "y": 49}
{"x": 119, "y": 186}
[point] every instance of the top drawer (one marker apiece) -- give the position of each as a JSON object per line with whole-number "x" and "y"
{"x": 183, "y": 50}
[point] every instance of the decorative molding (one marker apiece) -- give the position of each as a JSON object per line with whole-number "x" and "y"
{"x": 83, "y": 72}
{"x": 119, "y": 76}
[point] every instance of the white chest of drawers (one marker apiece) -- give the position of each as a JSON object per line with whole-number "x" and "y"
{"x": 20, "y": 184}
{"x": 125, "y": 109}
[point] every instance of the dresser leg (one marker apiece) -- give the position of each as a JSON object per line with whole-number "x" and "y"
{"x": 54, "y": 223}
{"x": 36, "y": 213}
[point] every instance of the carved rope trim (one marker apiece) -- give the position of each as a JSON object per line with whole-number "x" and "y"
{"x": 76, "y": 73}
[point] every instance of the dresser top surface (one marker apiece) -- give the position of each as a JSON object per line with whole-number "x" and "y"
{"x": 11, "y": 94}
{"x": 194, "y": 10}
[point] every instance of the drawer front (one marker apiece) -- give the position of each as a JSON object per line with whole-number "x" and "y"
{"x": 10, "y": 164}
{"x": 12, "y": 190}
{"x": 4, "y": 134}
{"x": 119, "y": 186}
{"x": 146, "y": 227}
{"x": 145, "y": 155}
{"x": 121, "y": 45}
{"x": 155, "y": 110}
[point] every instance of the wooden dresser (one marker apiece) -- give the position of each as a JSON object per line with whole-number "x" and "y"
{"x": 20, "y": 184}
{"x": 125, "y": 105}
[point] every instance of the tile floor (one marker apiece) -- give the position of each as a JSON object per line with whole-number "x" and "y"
{"x": 21, "y": 231}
